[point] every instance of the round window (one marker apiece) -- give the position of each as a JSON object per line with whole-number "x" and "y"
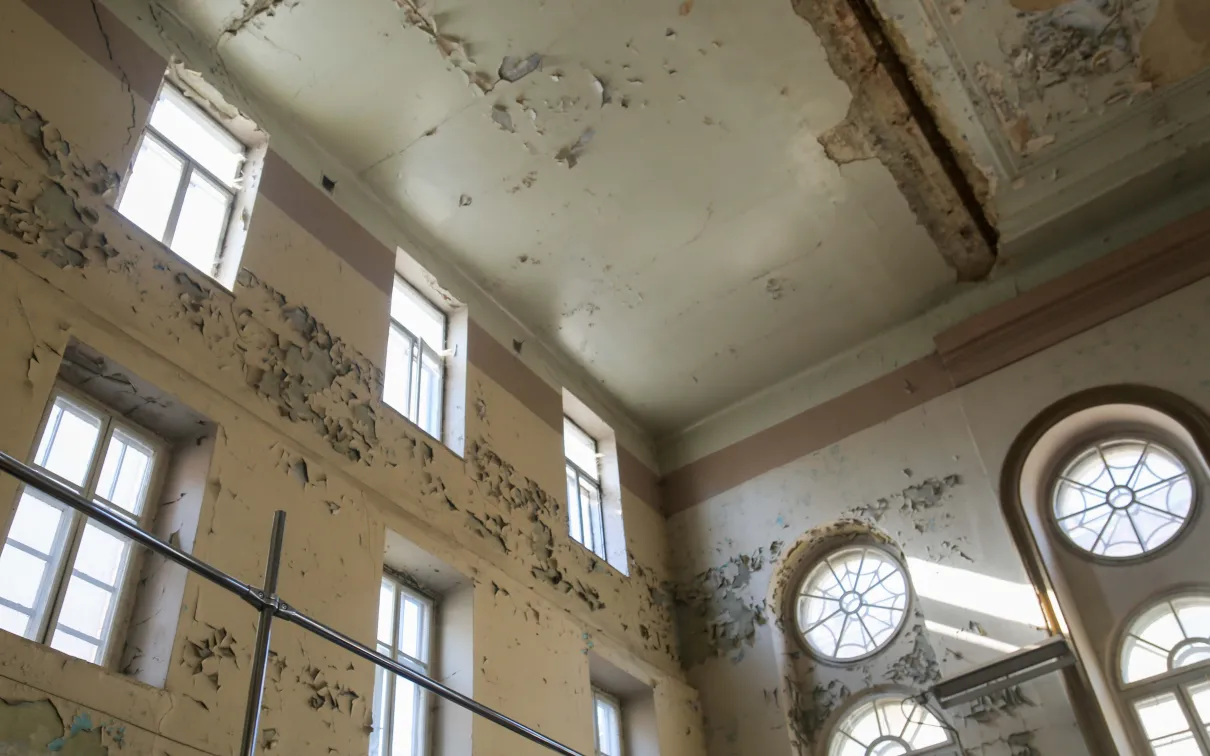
{"x": 889, "y": 725}
{"x": 852, "y": 603}
{"x": 1123, "y": 498}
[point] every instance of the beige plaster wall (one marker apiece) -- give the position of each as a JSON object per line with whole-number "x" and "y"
{"x": 928, "y": 481}
{"x": 287, "y": 366}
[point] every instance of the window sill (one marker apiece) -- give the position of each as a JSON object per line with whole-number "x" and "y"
{"x": 599, "y": 560}
{"x": 391, "y": 408}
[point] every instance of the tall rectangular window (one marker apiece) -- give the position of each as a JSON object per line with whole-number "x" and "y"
{"x": 587, "y": 519}
{"x": 415, "y": 372}
{"x": 62, "y": 577}
{"x": 607, "y": 723}
{"x": 184, "y": 180}
{"x": 405, "y": 620}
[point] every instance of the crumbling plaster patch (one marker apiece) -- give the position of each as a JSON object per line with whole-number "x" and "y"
{"x": 54, "y": 203}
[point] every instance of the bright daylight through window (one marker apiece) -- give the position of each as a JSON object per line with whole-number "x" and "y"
{"x": 184, "y": 180}
{"x": 1167, "y": 678}
{"x": 607, "y": 723}
{"x": 405, "y": 620}
{"x": 61, "y": 576}
{"x": 852, "y": 603}
{"x": 890, "y": 725}
{"x": 415, "y": 373}
{"x": 587, "y": 519}
{"x": 1123, "y": 498}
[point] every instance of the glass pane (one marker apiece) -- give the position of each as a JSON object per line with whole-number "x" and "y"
{"x": 36, "y": 523}
{"x": 14, "y": 621}
{"x": 576, "y": 525}
{"x": 69, "y": 644}
{"x": 405, "y": 720}
{"x": 1200, "y": 693}
{"x": 197, "y": 135}
{"x": 151, "y": 187}
{"x": 411, "y": 628}
{"x": 386, "y": 614}
{"x": 85, "y": 608}
{"x": 430, "y": 395}
{"x": 581, "y": 449}
{"x": 68, "y": 441}
{"x": 418, "y": 315}
{"x": 202, "y": 223}
{"x": 397, "y": 388}
{"x": 21, "y": 576}
{"x": 1161, "y": 716}
{"x": 101, "y": 555}
{"x": 377, "y": 740}
{"x": 125, "y": 472}
{"x": 852, "y": 602}
{"x": 1168, "y": 635}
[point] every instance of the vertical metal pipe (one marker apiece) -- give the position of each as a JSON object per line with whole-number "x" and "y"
{"x": 260, "y": 654}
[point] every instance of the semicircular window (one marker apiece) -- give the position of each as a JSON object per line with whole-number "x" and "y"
{"x": 1122, "y": 498}
{"x": 1172, "y": 634}
{"x": 889, "y": 725}
{"x": 852, "y": 603}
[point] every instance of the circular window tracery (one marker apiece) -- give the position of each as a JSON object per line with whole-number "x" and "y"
{"x": 1172, "y": 634}
{"x": 1123, "y": 498}
{"x": 852, "y": 603}
{"x": 888, "y": 725}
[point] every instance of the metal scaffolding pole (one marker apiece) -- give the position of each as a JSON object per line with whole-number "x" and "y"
{"x": 268, "y": 604}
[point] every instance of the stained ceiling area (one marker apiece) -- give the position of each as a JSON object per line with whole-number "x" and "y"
{"x": 695, "y": 199}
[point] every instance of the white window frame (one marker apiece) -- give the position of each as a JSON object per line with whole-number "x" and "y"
{"x": 951, "y": 747}
{"x": 386, "y": 683}
{"x": 418, "y": 352}
{"x": 599, "y": 698}
{"x": 190, "y": 166}
{"x": 61, "y": 560}
{"x": 584, "y": 497}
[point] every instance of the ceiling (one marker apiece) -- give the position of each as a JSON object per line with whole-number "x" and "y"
{"x": 654, "y": 199}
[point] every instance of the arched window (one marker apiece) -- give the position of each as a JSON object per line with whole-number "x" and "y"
{"x": 1165, "y": 671}
{"x": 1121, "y": 498}
{"x": 890, "y": 724}
{"x": 852, "y": 603}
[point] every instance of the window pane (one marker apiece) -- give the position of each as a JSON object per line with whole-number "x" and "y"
{"x": 69, "y": 644}
{"x": 397, "y": 388}
{"x": 1200, "y": 694}
{"x": 151, "y": 187}
{"x": 13, "y": 621}
{"x": 405, "y": 721}
{"x": 36, "y": 523}
{"x": 101, "y": 555}
{"x": 21, "y": 576}
{"x": 411, "y": 628}
{"x": 430, "y": 395}
{"x": 197, "y": 135}
{"x": 378, "y": 738}
{"x": 1161, "y": 717}
{"x": 202, "y": 223}
{"x": 581, "y": 449}
{"x": 85, "y": 608}
{"x": 68, "y": 441}
{"x": 418, "y": 315}
{"x": 576, "y": 524}
{"x": 386, "y": 614}
{"x": 124, "y": 473}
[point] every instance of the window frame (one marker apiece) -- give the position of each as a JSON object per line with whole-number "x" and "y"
{"x": 600, "y": 696}
{"x": 49, "y": 602}
{"x": 419, "y": 349}
{"x": 189, "y": 166}
{"x": 577, "y": 480}
{"x": 421, "y": 735}
{"x": 1110, "y": 434}
{"x": 952, "y": 746}
{"x": 1174, "y": 681}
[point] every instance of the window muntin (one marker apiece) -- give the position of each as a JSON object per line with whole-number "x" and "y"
{"x": 184, "y": 180}
{"x": 890, "y": 725}
{"x": 586, "y": 516}
{"x": 1123, "y": 498}
{"x": 852, "y": 603}
{"x": 405, "y": 619}
{"x": 1172, "y": 634}
{"x": 415, "y": 370}
{"x": 607, "y": 724}
{"x": 62, "y": 576}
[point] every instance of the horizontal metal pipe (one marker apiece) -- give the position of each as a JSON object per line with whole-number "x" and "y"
{"x": 290, "y": 614}
{"x": 47, "y": 484}
{"x": 40, "y": 480}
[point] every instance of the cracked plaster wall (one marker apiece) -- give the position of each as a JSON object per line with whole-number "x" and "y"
{"x": 284, "y": 366}
{"x": 927, "y": 481}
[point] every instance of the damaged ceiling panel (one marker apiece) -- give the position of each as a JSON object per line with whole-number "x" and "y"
{"x": 1063, "y": 102}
